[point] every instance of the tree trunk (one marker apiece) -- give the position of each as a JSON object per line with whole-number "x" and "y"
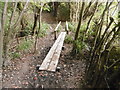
{"x": 1, "y": 46}
{"x": 12, "y": 27}
{"x": 36, "y": 38}
{"x": 36, "y": 15}
{"x": 2, "y": 23}
{"x": 3, "y": 20}
{"x": 74, "y": 11}
{"x": 23, "y": 21}
{"x": 78, "y": 28}
{"x": 89, "y": 21}
{"x": 55, "y": 8}
{"x": 8, "y": 35}
{"x": 87, "y": 10}
{"x": 80, "y": 20}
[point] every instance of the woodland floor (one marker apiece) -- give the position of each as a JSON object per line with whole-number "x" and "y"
{"x": 22, "y": 72}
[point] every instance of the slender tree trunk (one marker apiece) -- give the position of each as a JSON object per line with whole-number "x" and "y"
{"x": 8, "y": 35}
{"x": 3, "y": 19}
{"x": 2, "y": 27}
{"x": 80, "y": 20}
{"x": 103, "y": 16}
{"x": 87, "y": 10}
{"x": 36, "y": 16}
{"x": 77, "y": 12}
{"x": 55, "y": 8}
{"x": 36, "y": 38}
{"x": 21, "y": 14}
{"x": 12, "y": 27}
{"x": 88, "y": 24}
{"x": 1, "y": 45}
{"x": 78, "y": 28}
{"x": 23, "y": 20}
{"x": 1, "y": 52}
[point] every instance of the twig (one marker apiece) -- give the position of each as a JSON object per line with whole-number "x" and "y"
{"x": 113, "y": 64}
{"x": 107, "y": 83}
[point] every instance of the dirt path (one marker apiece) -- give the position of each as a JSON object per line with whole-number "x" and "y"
{"x": 23, "y": 74}
{"x": 18, "y": 73}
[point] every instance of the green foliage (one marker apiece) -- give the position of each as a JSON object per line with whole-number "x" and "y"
{"x": 1, "y": 6}
{"x": 59, "y": 28}
{"x": 36, "y": 4}
{"x": 71, "y": 26}
{"x": 25, "y": 45}
{"x": 68, "y": 39}
{"x": 101, "y": 7}
{"x": 115, "y": 52}
{"x": 28, "y": 29}
{"x": 63, "y": 13}
{"x": 43, "y": 30}
{"x": 47, "y": 8}
{"x": 6, "y": 26}
{"x": 15, "y": 55}
{"x": 83, "y": 28}
{"x": 79, "y": 45}
{"x": 91, "y": 31}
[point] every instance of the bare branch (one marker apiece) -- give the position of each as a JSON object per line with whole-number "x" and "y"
{"x": 113, "y": 64}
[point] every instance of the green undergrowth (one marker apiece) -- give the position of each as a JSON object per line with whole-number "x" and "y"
{"x": 43, "y": 30}
{"x": 68, "y": 39}
{"x": 24, "y": 45}
{"x": 79, "y": 46}
{"x": 22, "y": 48}
{"x": 72, "y": 27}
{"x": 15, "y": 55}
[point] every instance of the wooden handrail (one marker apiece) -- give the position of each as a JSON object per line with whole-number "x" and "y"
{"x": 55, "y": 32}
{"x": 66, "y": 27}
{"x": 57, "y": 26}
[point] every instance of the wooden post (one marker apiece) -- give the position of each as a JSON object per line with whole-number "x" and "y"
{"x": 55, "y": 36}
{"x": 66, "y": 28}
{"x": 55, "y": 32}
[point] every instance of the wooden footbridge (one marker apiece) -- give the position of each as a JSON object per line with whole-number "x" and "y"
{"x": 52, "y": 58}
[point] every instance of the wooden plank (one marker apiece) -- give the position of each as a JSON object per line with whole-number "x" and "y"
{"x": 55, "y": 58}
{"x": 47, "y": 59}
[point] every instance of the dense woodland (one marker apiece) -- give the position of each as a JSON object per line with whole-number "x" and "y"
{"x": 93, "y": 38}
